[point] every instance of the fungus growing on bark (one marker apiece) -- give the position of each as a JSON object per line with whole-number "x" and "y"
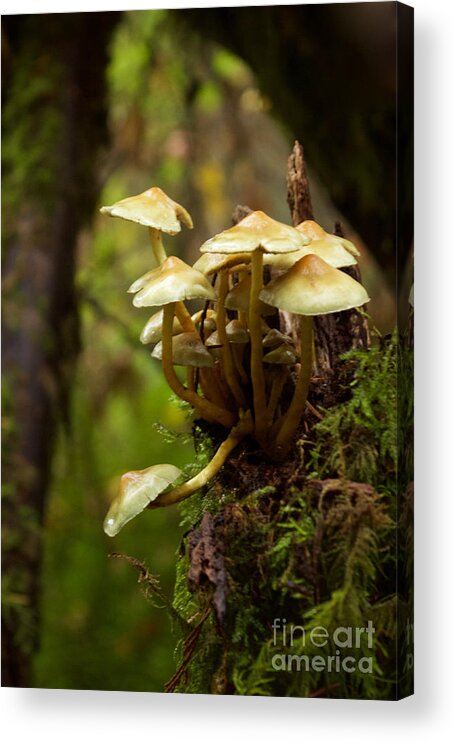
{"x": 311, "y": 287}
{"x": 173, "y": 282}
{"x": 256, "y": 234}
{"x": 227, "y": 385}
{"x": 155, "y": 210}
{"x": 187, "y": 350}
{"x": 274, "y": 337}
{"x": 320, "y": 238}
{"x": 136, "y": 491}
{"x": 152, "y": 330}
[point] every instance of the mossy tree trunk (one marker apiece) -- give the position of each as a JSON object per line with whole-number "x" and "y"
{"x": 54, "y": 124}
{"x": 309, "y": 541}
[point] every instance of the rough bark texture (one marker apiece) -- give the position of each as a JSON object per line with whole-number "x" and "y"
{"x": 54, "y": 120}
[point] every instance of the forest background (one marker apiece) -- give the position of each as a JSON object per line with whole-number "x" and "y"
{"x": 96, "y": 107}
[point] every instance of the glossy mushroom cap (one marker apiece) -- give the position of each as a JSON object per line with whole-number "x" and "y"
{"x": 137, "y": 489}
{"x": 210, "y": 263}
{"x": 236, "y": 332}
{"x": 152, "y": 208}
{"x": 283, "y": 355}
{"x": 152, "y": 331}
{"x": 238, "y": 298}
{"x": 318, "y": 235}
{"x": 312, "y": 287}
{"x": 207, "y": 325}
{"x": 172, "y": 281}
{"x": 187, "y": 350}
{"x": 329, "y": 248}
{"x": 140, "y": 282}
{"x": 274, "y": 337}
{"x": 254, "y": 231}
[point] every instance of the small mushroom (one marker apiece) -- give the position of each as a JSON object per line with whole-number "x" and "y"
{"x": 239, "y": 336}
{"x": 256, "y": 230}
{"x": 173, "y": 278}
{"x": 155, "y": 210}
{"x": 206, "y": 321}
{"x": 238, "y": 298}
{"x": 210, "y": 263}
{"x": 283, "y": 355}
{"x": 256, "y": 234}
{"x": 239, "y": 431}
{"x": 152, "y": 330}
{"x": 137, "y": 490}
{"x": 173, "y": 282}
{"x": 236, "y": 333}
{"x": 319, "y": 236}
{"x": 226, "y": 352}
{"x": 274, "y": 337}
{"x": 187, "y": 350}
{"x": 311, "y": 287}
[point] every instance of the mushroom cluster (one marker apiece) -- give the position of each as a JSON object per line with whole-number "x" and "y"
{"x": 237, "y": 359}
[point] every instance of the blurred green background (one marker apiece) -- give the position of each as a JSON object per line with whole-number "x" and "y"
{"x": 188, "y": 114}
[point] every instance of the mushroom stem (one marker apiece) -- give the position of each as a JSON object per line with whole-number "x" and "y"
{"x": 200, "y": 480}
{"x": 257, "y": 370}
{"x": 291, "y": 419}
{"x": 160, "y": 255}
{"x": 184, "y": 317}
{"x": 229, "y": 369}
{"x": 279, "y": 380}
{"x": 191, "y": 378}
{"x": 208, "y": 410}
{"x": 157, "y": 245}
{"x": 237, "y": 354}
{"x": 211, "y": 388}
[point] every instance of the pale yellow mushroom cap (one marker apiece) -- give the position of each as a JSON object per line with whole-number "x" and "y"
{"x": 187, "y": 350}
{"x": 138, "y": 489}
{"x": 274, "y": 337}
{"x": 209, "y": 324}
{"x": 210, "y": 263}
{"x": 152, "y": 208}
{"x": 140, "y": 282}
{"x": 282, "y": 355}
{"x": 313, "y": 287}
{"x": 152, "y": 331}
{"x": 236, "y": 332}
{"x": 257, "y": 230}
{"x": 329, "y": 248}
{"x": 172, "y": 281}
{"x": 238, "y": 298}
{"x": 213, "y": 340}
{"x": 318, "y": 235}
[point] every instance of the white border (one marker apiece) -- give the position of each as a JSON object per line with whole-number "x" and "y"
{"x": 46, "y": 715}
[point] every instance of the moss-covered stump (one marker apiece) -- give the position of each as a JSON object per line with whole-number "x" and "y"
{"x": 271, "y": 550}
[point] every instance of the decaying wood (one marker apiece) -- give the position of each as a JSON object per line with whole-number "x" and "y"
{"x": 207, "y": 563}
{"x": 239, "y": 213}
{"x": 299, "y": 196}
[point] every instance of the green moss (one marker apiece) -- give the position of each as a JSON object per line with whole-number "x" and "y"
{"x": 319, "y": 551}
